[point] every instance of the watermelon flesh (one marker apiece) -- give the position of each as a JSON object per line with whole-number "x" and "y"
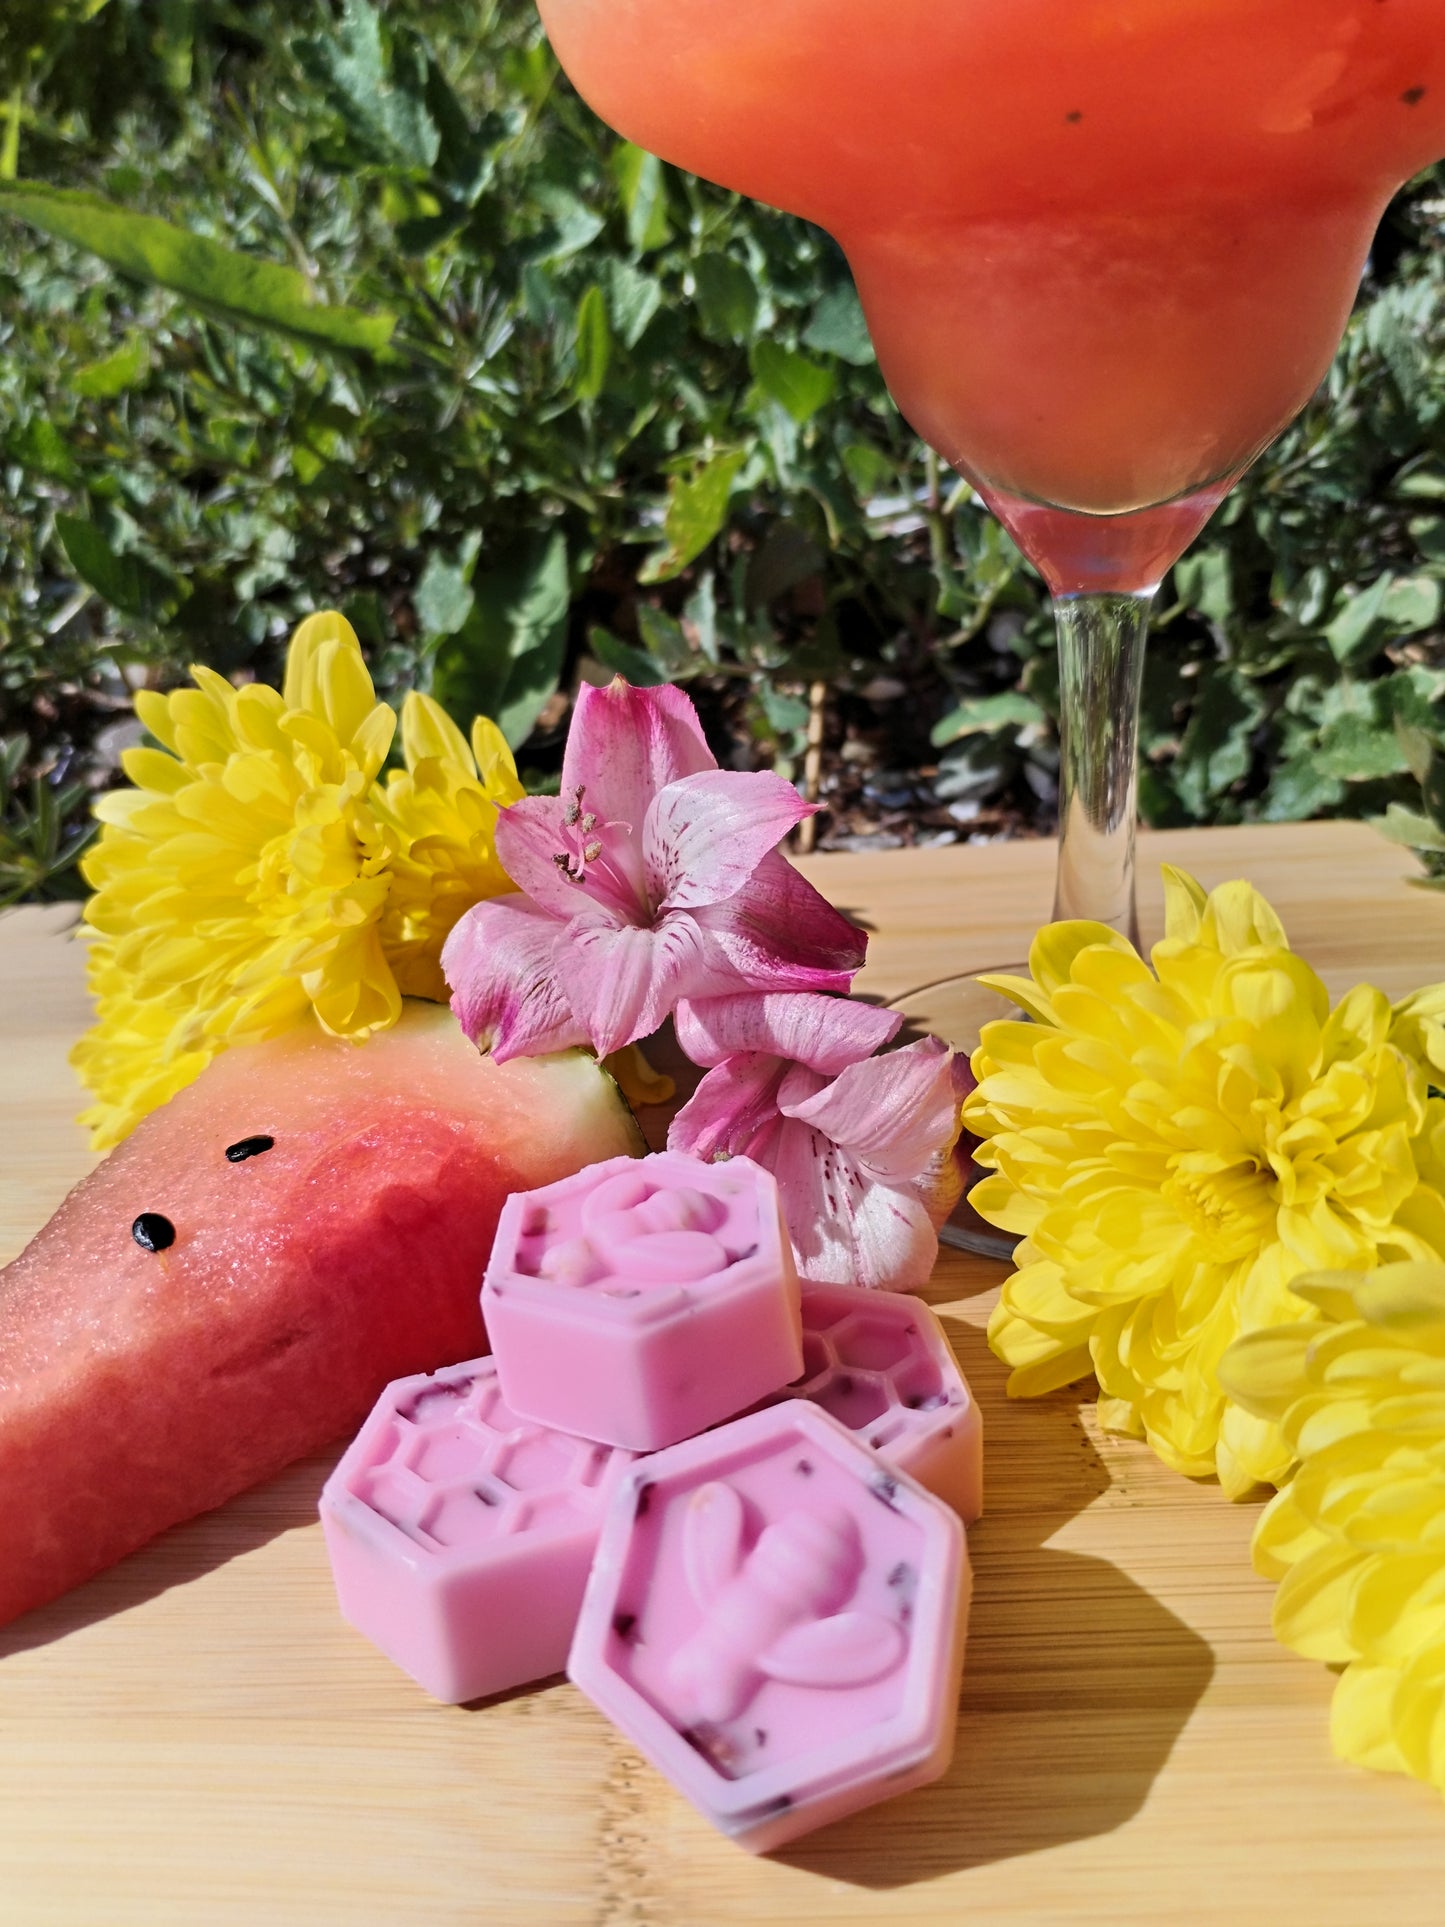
{"x": 285, "y": 1286}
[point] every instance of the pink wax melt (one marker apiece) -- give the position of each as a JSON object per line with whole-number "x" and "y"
{"x": 881, "y": 1364}
{"x": 776, "y": 1620}
{"x": 643, "y": 1299}
{"x": 460, "y": 1534}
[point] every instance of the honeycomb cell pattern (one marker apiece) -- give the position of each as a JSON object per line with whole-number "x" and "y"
{"x": 875, "y": 1368}
{"x": 453, "y": 1468}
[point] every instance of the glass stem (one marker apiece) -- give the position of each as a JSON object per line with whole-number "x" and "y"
{"x": 1101, "y": 675}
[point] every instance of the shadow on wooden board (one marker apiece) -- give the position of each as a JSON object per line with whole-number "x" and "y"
{"x": 1077, "y": 1682}
{"x": 184, "y": 1553}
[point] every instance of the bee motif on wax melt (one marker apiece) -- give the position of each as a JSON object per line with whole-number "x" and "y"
{"x": 774, "y": 1612}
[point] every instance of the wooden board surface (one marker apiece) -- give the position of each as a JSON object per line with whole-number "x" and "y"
{"x": 195, "y": 1737}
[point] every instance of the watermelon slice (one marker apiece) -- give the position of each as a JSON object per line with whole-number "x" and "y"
{"x": 235, "y": 1284}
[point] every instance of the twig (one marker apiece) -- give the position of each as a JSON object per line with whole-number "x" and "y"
{"x": 812, "y": 765}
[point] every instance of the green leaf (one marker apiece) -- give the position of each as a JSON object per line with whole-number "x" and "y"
{"x": 443, "y": 597}
{"x": 1424, "y": 484}
{"x": 1202, "y": 582}
{"x": 869, "y": 469}
{"x": 635, "y": 664}
{"x": 1355, "y": 623}
{"x": 40, "y": 447}
{"x": 696, "y": 511}
{"x": 1416, "y": 832}
{"x": 633, "y": 298}
{"x": 575, "y": 225}
{"x": 838, "y": 327}
{"x": 505, "y": 659}
{"x": 1216, "y": 750}
{"x": 1433, "y": 788}
{"x": 1357, "y": 751}
{"x": 594, "y": 345}
{"x": 1413, "y": 604}
{"x": 727, "y": 297}
{"x": 1009, "y": 709}
{"x": 643, "y": 186}
{"x": 382, "y": 102}
{"x": 125, "y": 368}
{"x": 790, "y": 379}
{"x": 700, "y": 609}
{"x": 234, "y": 287}
{"x": 1298, "y": 788}
{"x": 126, "y": 582}
{"x": 666, "y": 644}
{"x": 1417, "y": 746}
{"x": 786, "y": 714}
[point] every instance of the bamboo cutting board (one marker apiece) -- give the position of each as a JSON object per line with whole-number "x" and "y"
{"x": 195, "y": 1737}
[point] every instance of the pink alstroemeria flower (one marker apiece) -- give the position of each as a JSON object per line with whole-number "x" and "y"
{"x": 861, "y": 1145}
{"x": 653, "y": 876}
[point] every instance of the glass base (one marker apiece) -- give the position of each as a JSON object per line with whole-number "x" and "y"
{"x": 956, "y": 1009}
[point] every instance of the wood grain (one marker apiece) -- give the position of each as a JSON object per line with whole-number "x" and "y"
{"x": 195, "y": 1736}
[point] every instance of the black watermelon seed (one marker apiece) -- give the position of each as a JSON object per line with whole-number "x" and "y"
{"x": 1412, "y": 96}
{"x": 248, "y": 1147}
{"x": 152, "y": 1232}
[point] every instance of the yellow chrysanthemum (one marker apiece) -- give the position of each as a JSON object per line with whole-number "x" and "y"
{"x": 1357, "y": 1538}
{"x": 442, "y": 810}
{"x": 1177, "y": 1146}
{"x": 259, "y": 875}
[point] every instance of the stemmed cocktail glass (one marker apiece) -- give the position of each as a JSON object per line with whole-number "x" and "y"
{"x": 1106, "y": 249}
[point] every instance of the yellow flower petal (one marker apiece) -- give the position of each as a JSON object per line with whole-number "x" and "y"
{"x": 1311, "y": 1608}
{"x": 1361, "y": 1722}
{"x": 495, "y": 764}
{"x": 258, "y": 875}
{"x": 1357, "y": 1539}
{"x": 1184, "y": 905}
{"x": 427, "y": 730}
{"x": 1181, "y": 1143}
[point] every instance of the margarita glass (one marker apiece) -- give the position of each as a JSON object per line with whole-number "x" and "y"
{"x": 1106, "y": 249}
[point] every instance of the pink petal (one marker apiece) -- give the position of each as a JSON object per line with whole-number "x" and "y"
{"x": 779, "y": 934}
{"x": 894, "y": 1240}
{"x": 703, "y": 837}
{"x": 626, "y": 744}
{"x": 529, "y": 835}
{"x": 532, "y": 834}
{"x": 847, "y": 1227}
{"x": 826, "y": 1033}
{"x": 730, "y": 1108}
{"x": 623, "y": 981}
{"x": 500, "y": 961}
{"x": 894, "y": 1114}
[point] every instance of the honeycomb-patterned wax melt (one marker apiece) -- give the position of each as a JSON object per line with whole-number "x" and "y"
{"x": 883, "y": 1366}
{"x": 644, "y": 1299}
{"x": 461, "y": 1535}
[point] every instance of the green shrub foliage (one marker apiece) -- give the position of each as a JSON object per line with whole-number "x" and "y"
{"x": 361, "y": 307}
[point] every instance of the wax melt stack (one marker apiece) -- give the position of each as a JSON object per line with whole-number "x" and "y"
{"x": 730, "y": 1505}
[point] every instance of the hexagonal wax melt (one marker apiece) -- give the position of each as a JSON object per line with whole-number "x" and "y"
{"x": 643, "y": 1299}
{"x": 777, "y": 1620}
{"x": 461, "y": 1535}
{"x": 883, "y": 1366}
